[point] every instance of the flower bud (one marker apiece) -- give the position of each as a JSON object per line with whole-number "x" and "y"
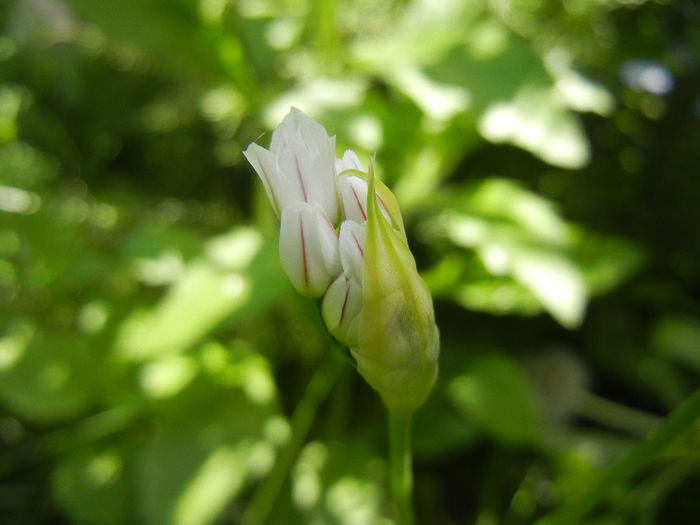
{"x": 312, "y": 176}
{"x": 351, "y": 244}
{"x": 341, "y": 308}
{"x": 350, "y": 161}
{"x": 299, "y": 166}
{"x": 297, "y": 127}
{"x": 353, "y": 195}
{"x": 374, "y": 300}
{"x": 279, "y": 189}
{"x": 398, "y": 341}
{"x": 343, "y": 300}
{"x": 308, "y": 248}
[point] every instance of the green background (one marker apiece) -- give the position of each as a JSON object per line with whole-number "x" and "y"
{"x": 153, "y": 353}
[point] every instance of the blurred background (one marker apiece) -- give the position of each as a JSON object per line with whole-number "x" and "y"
{"x": 153, "y": 353}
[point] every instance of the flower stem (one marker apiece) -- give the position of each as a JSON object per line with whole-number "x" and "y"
{"x": 686, "y": 414}
{"x": 316, "y": 391}
{"x": 400, "y": 468}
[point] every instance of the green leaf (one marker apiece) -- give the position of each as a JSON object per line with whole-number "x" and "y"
{"x": 238, "y": 275}
{"x": 200, "y": 447}
{"x": 46, "y": 378}
{"x": 23, "y": 166}
{"x": 495, "y": 395}
{"x": 525, "y": 257}
{"x": 683, "y": 417}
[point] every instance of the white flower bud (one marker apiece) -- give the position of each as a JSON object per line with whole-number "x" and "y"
{"x": 350, "y": 161}
{"x": 299, "y": 166}
{"x": 343, "y": 300}
{"x": 299, "y": 127}
{"x": 341, "y": 309}
{"x": 280, "y": 190}
{"x": 351, "y": 244}
{"x": 311, "y": 176}
{"x": 353, "y": 195}
{"x": 309, "y": 248}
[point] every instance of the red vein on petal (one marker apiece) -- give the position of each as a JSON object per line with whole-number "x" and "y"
{"x": 345, "y": 303}
{"x": 359, "y": 204}
{"x": 301, "y": 180}
{"x": 359, "y": 246}
{"x": 330, "y": 224}
{"x": 303, "y": 251}
{"x": 275, "y": 204}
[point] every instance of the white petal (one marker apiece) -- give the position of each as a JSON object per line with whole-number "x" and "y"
{"x": 341, "y": 309}
{"x": 295, "y": 164}
{"x": 265, "y": 165}
{"x": 353, "y": 195}
{"x": 312, "y": 178}
{"x": 282, "y": 134}
{"x": 313, "y": 134}
{"x": 351, "y": 246}
{"x": 322, "y": 182}
{"x": 350, "y": 161}
{"x": 308, "y": 248}
{"x": 300, "y": 127}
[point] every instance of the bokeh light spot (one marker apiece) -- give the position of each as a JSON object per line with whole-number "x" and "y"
{"x": 647, "y": 75}
{"x": 92, "y": 317}
{"x": 167, "y": 376}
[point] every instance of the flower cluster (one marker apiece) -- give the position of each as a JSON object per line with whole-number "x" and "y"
{"x": 338, "y": 244}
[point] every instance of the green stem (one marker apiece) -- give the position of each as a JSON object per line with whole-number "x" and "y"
{"x": 316, "y": 391}
{"x": 400, "y": 468}
{"x": 630, "y": 464}
{"x": 617, "y": 416}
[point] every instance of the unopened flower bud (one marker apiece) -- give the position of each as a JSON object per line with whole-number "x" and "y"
{"x": 353, "y": 194}
{"x": 343, "y": 300}
{"x": 309, "y": 248}
{"x": 350, "y": 161}
{"x": 374, "y": 301}
{"x": 351, "y": 244}
{"x": 299, "y": 166}
{"x": 341, "y": 309}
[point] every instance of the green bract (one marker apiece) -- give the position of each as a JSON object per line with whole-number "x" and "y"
{"x": 398, "y": 343}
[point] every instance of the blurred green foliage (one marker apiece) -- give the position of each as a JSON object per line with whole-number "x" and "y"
{"x": 154, "y": 360}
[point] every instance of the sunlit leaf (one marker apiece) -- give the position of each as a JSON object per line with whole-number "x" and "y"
{"x": 208, "y": 436}
{"x": 495, "y": 395}
{"x": 236, "y": 274}
{"x": 526, "y": 254}
{"x": 47, "y": 378}
{"x": 337, "y": 483}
